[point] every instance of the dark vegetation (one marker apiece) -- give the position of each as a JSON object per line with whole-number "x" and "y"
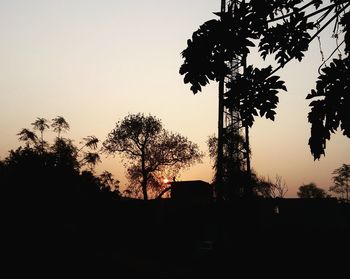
{"x": 62, "y": 219}
{"x": 152, "y": 153}
{"x": 283, "y": 30}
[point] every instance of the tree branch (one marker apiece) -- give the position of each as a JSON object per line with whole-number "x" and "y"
{"x": 314, "y": 36}
{"x": 303, "y": 8}
{"x": 163, "y": 192}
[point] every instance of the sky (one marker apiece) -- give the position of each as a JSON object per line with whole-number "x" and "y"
{"x": 96, "y": 61}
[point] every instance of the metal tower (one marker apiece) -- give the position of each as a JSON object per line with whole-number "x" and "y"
{"x": 233, "y": 161}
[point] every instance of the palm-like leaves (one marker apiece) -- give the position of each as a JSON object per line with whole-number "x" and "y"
{"x": 41, "y": 124}
{"x": 63, "y": 153}
{"x": 215, "y": 44}
{"x": 59, "y": 124}
{"x": 90, "y": 159}
{"x": 90, "y": 142}
{"x": 332, "y": 110}
{"x": 252, "y": 92}
{"x": 288, "y": 40}
{"x": 28, "y": 136}
{"x": 283, "y": 29}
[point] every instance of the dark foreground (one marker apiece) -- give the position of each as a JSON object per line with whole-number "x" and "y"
{"x": 163, "y": 239}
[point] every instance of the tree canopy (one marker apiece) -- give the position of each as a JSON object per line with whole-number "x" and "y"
{"x": 49, "y": 180}
{"x": 283, "y": 29}
{"x": 341, "y": 181}
{"x": 311, "y": 191}
{"x": 152, "y": 153}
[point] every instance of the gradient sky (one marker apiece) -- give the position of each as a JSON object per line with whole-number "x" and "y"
{"x": 95, "y": 61}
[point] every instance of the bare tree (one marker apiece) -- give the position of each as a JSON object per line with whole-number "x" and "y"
{"x": 279, "y": 187}
{"x": 270, "y": 189}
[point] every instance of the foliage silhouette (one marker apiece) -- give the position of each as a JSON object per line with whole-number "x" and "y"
{"x": 150, "y": 150}
{"x": 74, "y": 222}
{"x": 282, "y": 28}
{"x": 311, "y": 191}
{"x": 232, "y": 162}
{"x": 109, "y": 183}
{"x": 330, "y": 109}
{"x": 269, "y": 189}
{"x": 28, "y": 136}
{"x": 48, "y": 177}
{"x": 41, "y": 124}
{"x": 254, "y": 93}
{"x": 341, "y": 181}
{"x": 59, "y": 125}
{"x": 54, "y": 205}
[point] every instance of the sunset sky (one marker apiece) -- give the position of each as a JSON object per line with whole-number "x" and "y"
{"x": 95, "y": 61}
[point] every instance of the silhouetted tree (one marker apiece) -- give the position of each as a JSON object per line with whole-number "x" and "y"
{"x": 65, "y": 153}
{"x": 150, "y": 150}
{"x": 41, "y": 124}
{"x": 280, "y": 187}
{"x": 90, "y": 142}
{"x": 270, "y": 189}
{"x": 100, "y": 189}
{"x": 59, "y": 124}
{"x": 311, "y": 191}
{"x": 108, "y": 183}
{"x": 28, "y": 136}
{"x": 53, "y": 179}
{"x": 341, "y": 181}
{"x": 283, "y": 29}
{"x": 233, "y": 174}
{"x": 62, "y": 147}
{"x": 49, "y": 198}
{"x": 89, "y": 158}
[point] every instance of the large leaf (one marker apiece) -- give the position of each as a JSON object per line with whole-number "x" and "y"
{"x": 288, "y": 40}
{"x": 330, "y": 109}
{"x": 218, "y": 42}
{"x": 252, "y": 92}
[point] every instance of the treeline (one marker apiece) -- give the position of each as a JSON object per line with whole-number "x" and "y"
{"x": 42, "y": 180}
{"x": 59, "y": 214}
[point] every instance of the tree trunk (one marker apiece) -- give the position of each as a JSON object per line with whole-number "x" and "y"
{"x": 144, "y": 187}
{"x": 42, "y": 142}
{"x": 163, "y": 192}
{"x": 144, "y": 176}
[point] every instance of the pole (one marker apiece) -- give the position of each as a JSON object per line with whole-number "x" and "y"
{"x": 219, "y": 163}
{"x": 248, "y": 191}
